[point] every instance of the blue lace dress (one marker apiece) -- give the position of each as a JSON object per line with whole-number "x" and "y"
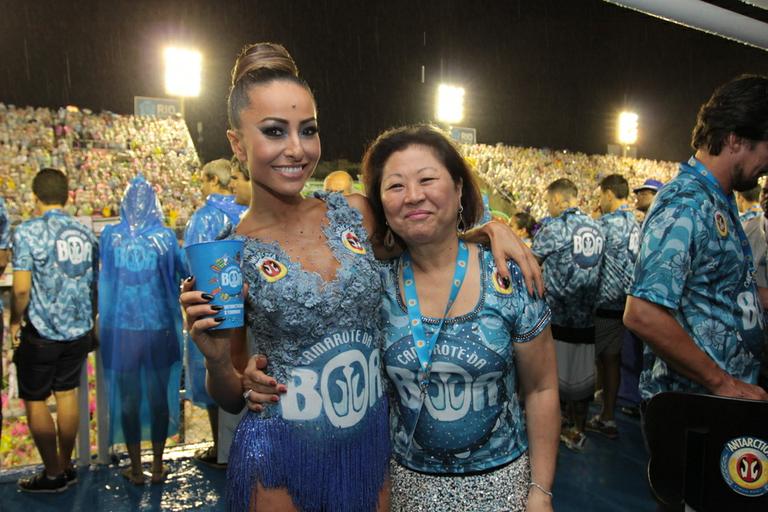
{"x": 327, "y": 441}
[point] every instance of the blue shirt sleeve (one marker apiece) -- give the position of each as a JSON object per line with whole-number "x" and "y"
{"x": 531, "y": 314}
{"x": 22, "y": 252}
{"x": 664, "y": 262}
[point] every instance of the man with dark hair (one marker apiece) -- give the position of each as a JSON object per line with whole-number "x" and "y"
{"x": 55, "y": 264}
{"x": 748, "y": 203}
{"x": 622, "y": 239}
{"x": 694, "y": 299}
{"x": 570, "y": 247}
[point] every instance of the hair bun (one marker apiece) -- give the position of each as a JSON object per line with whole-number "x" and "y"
{"x": 261, "y": 58}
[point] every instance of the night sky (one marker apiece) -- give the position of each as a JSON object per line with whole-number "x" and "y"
{"x": 538, "y": 73}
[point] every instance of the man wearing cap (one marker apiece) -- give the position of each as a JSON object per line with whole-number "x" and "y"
{"x": 694, "y": 299}
{"x": 644, "y": 195}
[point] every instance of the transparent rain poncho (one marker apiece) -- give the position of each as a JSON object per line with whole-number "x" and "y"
{"x": 219, "y": 214}
{"x": 140, "y": 319}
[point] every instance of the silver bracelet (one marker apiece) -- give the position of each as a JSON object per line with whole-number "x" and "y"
{"x": 539, "y": 487}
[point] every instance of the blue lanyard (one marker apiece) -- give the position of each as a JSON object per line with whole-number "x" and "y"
{"x": 700, "y": 172}
{"x": 424, "y": 347}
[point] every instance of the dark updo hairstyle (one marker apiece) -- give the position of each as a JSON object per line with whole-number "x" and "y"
{"x": 446, "y": 152}
{"x": 258, "y": 64}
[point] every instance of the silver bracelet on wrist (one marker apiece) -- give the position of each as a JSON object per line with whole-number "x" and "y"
{"x": 539, "y": 487}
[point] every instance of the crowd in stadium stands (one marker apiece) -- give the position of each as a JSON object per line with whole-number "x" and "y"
{"x": 523, "y": 174}
{"x": 100, "y": 153}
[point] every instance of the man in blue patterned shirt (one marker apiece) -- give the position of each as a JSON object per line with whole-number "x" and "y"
{"x": 570, "y": 247}
{"x": 55, "y": 262}
{"x": 694, "y": 299}
{"x": 622, "y": 241}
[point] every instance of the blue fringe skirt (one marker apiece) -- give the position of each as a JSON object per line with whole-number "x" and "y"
{"x": 321, "y": 471}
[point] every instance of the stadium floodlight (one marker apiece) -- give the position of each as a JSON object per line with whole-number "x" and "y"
{"x": 450, "y": 104}
{"x": 627, "y": 128}
{"x": 182, "y": 72}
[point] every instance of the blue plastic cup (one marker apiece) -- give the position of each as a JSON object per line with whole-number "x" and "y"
{"x": 216, "y": 268}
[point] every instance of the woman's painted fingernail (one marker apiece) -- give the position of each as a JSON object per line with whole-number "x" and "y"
{"x": 207, "y": 296}
{"x": 218, "y": 319}
{"x": 189, "y": 279}
{"x": 275, "y": 398}
{"x": 217, "y": 307}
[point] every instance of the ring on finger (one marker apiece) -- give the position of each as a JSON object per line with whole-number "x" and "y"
{"x": 246, "y": 394}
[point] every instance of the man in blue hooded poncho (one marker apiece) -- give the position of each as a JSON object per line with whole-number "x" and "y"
{"x": 140, "y": 327}
{"x": 219, "y": 212}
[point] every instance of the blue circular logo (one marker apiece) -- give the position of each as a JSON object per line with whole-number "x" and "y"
{"x": 587, "y": 246}
{"x": 74, "y": 252}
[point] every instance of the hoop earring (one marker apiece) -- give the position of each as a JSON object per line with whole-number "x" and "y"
{"x": 389, "y": 239}
{"x": 460, "y": 226}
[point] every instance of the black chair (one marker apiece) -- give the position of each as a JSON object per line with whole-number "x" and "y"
{"x": 700, "y": 442}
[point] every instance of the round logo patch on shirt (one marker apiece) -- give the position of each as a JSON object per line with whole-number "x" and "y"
{"x": 721, "y": 224}
{"x": 744, "y": 466}
{"x": 271, "y": 269}
{"x": 351, "y": 242}
{"x": 501, "y": 284}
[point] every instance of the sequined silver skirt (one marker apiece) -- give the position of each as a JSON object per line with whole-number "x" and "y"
{"x": 505, "y": 489}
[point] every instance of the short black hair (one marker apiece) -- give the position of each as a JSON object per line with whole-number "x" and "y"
{"x": 739, "y": 107}
{"x": 525, "y": 220}
{"x": 564, "y": 186}
{"x": 50, "y": 186}
{"x": 617, "y": 184}
{"x": 752, "y": 195}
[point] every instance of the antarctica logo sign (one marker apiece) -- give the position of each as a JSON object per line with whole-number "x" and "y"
{"x": 744, "y": 466}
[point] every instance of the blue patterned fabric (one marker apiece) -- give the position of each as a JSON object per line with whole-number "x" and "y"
{"x": 140, "y": 319}
{"x": 5, "y": 233}
{"x": 219, "y": 214}
{"x": 698, "y": 271}
{"x": 750, "y": 214}
{"x": 570, "y": 247}
{"x": 62, "y": 255}
{"x": 622, "y": 242}
{"x": 326, "y": 441}
{"x": 471, "y": 419}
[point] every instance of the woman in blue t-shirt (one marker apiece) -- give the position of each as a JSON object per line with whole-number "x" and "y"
{"x": 458, "y": 339}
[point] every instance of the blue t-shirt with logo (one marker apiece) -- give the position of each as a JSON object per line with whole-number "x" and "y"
{"x": 570, "y": 247}
{"x": 471, "y": 418}
{"x": 692, "y": 263}
{"x": 622, "y": 242}
{"x": 62, "y": 255}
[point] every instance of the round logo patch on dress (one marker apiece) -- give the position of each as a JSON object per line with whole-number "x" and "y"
{"x": 721, "y": 224}
{"x": 501, "y": 284}
{"x": 351, "y": 242}
{"x": 744, "y": 466}
{"x": 271, "y": 269}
